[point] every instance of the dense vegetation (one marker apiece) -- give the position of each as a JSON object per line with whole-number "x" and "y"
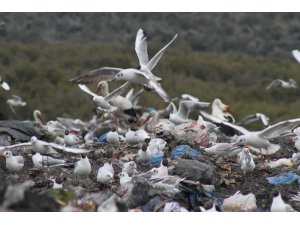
{"x": 38, "y": 59}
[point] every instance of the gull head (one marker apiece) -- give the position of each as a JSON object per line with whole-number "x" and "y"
{"x": 132, "y": 165}
{"x": 102, "y": 85}
{"x": 33, "y": 140}
{"x": 119, "y": 76}
{"x": 153, "y": 171}
{"x": 7, "y": 154}
{"x": 123, "y": 175}
{"x": 241, "y": 140}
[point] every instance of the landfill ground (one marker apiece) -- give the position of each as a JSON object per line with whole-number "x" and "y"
{"x": 87, "y": 194}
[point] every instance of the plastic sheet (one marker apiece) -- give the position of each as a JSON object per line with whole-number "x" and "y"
{"x": 181, "y": 150}
{"x": 285, "y": 178}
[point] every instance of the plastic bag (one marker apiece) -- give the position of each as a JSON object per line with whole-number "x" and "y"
{"x": 285, "y": 178}
{"x": 181, "y": 150}
{"x": 239, "y": 202}
{"x": 102, "y": 138}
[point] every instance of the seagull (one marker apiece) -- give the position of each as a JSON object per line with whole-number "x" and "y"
{"x": 57, "y": 183}
{"x": 83, "y": 167}
{"x": 112, "y": 137}
{"x": 130, "y": 168}
{"x": 142, "y": 75}
{"x": 13, "y": 163}
{"x": 161, "y": 171}
{"x": 15, "y": 101}
{"x": 144, "y": 154}
{"x": 214, "y": 208}
{"x": 40, "y": 162}
{"x": 248, "y": 164}
{"x": 259, "y": 139}
{"x": 105, "y": 174}
{"x": 296, "y": 54}
{"x": 103, "y": 101}
{"x": 141, "y": 50}
{"x": 222, "y": 111}
{"x": 189, "y": 97}
{"x": 125, "y": 179}
{"x": 278, "y": 205}
{"x": 284, "y": 84}
{"x": 134, "y": 136}
{"x": 4, "y": 84}
{"x": 296, "y": 140}
{"x": 124, "y": 105}
{"x": 72, "y": 139}
{"x": 181, "y": 116}
{"x": 255, "y": 117}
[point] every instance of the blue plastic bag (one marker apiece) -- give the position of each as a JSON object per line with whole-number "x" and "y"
{"x": 285, "y": 178}
{"x": 180, "y": 150}
{"x": 102, "y": 138}
{"x": 156, "y": 159}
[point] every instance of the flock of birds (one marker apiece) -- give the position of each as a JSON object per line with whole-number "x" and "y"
{"x": 130, "y": 123}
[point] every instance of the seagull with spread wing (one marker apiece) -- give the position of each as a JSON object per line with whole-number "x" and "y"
{"x": 15, "y": 101}
{"x": 281, "y": 83}
{"x": 142, "y": 75}
{"x": 259, "y": 139}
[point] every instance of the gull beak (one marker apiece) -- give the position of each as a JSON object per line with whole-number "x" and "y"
{"x": 98, "y": 90}
{"x": 228, "y": 110}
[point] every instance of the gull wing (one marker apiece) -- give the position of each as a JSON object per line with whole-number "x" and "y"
{"x": 120, "y": 90}
{"x": 296, "y": 54}
{"x": 87, "y": 90}
{"x": 160, "y": 91}
{"x": 248, "y": 119}
{"x": 158, "y": 55}
{"x": 279, "y": 128}
{"x": 20, "y": 159}
{"x": 94, "y": 76}
{"x": 135, "y": 98}
{"x": 240, "y": 129}
{"x": 141, "y": 47}
{"x": 16, "y": 146}
{"x": 274, "y": 83}
{"x": 264, "y": 119}
{"x": 5, "y": 86}
{"x": 16, "y": 98}
{"x": 67, "y": 149}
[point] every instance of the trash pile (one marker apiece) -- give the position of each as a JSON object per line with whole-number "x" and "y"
{"x": 133, "y": 158}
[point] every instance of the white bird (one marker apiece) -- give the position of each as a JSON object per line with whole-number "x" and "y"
{"x": 40, "y": 162}
{"x": 214, "y": 208}
{"x": 130, "y": 168}
{"x": 145, "y": 65}
{"x": 15, "y": 101}
{"x": 243, "y": 154}
{"x": 296, "y": 54}
{"x": 4, "y": 84}
{"x": 161, "y": 171}
{"x": 296, "y": 141}
{"x": 260, "y": 139}
{"x": 166, "y": 182}
{"x": 189, "y": 97}
{"x": 125, "y": 179}
{"x": 255, "y": 117}
{"x": 112, "y": 137}
{"x": 222, "y": 111}
{"x": 278, "y": 205}
{"x": 13, "y": 163}
{"x": 284, "y": 84}
{"x": 103, "y": 101}
{"x": 134, "y": 136}
{"x": 181, "y": 116}
{"x": 123, "y": 104}
{"x": 105, "y": 174}
{"x": 142, "y": 75}
{"x": 72, "y": 139}
{"x": 248, "y": 164}
{"x": 144, "y": 154}
{"x": 83, "y": 167}
{"x": 57, "y": 183}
